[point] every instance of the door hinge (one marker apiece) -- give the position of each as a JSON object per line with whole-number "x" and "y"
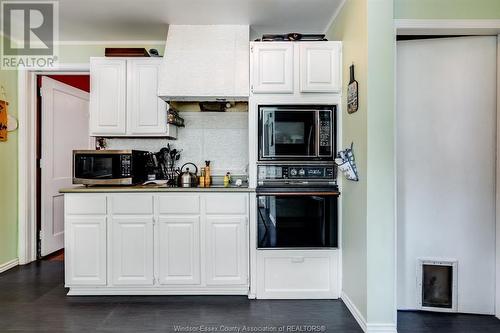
{"x": 40, "y": 235}
{"x": 251, "y": 48}
{"x": 40, "y": 163}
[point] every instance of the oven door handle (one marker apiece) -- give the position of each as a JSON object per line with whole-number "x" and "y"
{"x": 298, "y": 193}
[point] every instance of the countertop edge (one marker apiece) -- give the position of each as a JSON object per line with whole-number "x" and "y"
{"x": 153, "y": 189}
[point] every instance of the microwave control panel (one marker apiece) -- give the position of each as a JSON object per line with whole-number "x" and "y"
{"x": 125, "y": 161}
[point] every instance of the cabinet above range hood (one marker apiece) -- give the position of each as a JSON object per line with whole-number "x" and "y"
{"x": 205, "y": 63}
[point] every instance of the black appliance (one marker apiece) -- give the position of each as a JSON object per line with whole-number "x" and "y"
{"x": 297, "y": 206}
{"x": 109, "y": 167}
{"x": 297, "y": 133}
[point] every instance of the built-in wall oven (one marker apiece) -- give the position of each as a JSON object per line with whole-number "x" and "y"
{"x": 296, "y": 133}
{"x": 297, "y": 206}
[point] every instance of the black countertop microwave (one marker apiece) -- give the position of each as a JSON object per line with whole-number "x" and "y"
{"x": 109, "y": 167}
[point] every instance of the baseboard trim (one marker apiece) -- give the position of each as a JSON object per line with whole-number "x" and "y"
{"x": 354, "y": 311}
{"x": 381, "y": 328}
{"x": 360, "y": 319}
{"x": 8, "y": 265}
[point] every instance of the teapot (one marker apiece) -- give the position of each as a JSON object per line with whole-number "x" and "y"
{"x": 187, "y": 178}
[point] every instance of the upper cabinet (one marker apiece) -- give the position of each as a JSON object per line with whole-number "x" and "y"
{"x": 108, "y": 95}
{"x": 272, "y": 68}
{"x": 124, "y": 98}
{"x": 296, "y": 67}
{"x": 320, "y": 67}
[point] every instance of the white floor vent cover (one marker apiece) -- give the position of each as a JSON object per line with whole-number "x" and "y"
{"x": 437, "y": 285}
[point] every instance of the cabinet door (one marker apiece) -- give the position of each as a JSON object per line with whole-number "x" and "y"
{"x": 320, "y": 67}
{"x": 132, "y": 250}
{"x": 272, "y": 68}
{"x": 108, "y": 96}
{"x": 179, "y": 250}
{"x": 147, "y": 113}
{"x": 85, "y": 250}
{"x": 226, "y": 250}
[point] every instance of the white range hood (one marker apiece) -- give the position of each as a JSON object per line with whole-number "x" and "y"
{"x": 205, "y": 63}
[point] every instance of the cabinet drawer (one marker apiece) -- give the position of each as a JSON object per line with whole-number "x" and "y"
{"x": 179, "y": 204}
{"x": 85, "y": 204}
{"x": 297, "y": 274}
{"x": 131, "y": 204}
{"x": 224, "y": 203}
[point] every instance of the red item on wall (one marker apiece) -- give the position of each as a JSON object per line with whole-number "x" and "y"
{"x": 81, "y": 82}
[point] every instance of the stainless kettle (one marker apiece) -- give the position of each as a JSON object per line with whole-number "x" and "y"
{"x": 187, "y": 178}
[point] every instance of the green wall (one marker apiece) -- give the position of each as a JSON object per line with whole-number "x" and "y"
{"x": 447, "y": 9}
{"x": 8, "y": 175}
{"x": 9, "y": 150}
{"x": 381, "y": 213}
{"x": 365, "y": 28}
{"x": 350, "y": 27}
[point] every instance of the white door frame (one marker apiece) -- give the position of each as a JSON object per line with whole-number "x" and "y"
{"x": 27, "y": 154}
{"x": 472, "y": 28}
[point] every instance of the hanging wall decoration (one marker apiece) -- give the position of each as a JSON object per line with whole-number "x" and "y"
{"x": 352, "y": 93}
{"x": 4, "y": 106}
{"x": 346, "y": 163}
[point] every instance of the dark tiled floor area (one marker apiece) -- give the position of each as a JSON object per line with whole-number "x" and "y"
{"x": 33, "y": 299}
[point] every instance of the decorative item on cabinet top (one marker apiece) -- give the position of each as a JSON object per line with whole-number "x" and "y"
{"x": 294, "y": 36}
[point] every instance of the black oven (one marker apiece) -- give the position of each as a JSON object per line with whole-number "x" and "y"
{"x": 109, "y": 167}
{"x": 291, "y": 218}
{"x": 296, "y": 133}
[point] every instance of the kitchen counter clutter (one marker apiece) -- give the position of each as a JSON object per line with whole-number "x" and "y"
{"x": 152, "y": 188}
{"x": 156, "y": 243}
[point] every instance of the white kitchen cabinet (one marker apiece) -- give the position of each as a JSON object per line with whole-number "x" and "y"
{"x": 108, "y": 93}
{"x": 147, "y": 113}
{"x": 179, "y": 250}
{"x": 157, "y": 243}
{"x": 131, "y": 259}
{"x": 272, "y": 71}
{"x": 320, "y": 67}
{"x": 226, "y": 250}
{"x": 85, "y": 250}
{"x": 124, "y": 98}
{"x": 298, "y": 274}
{"x": 296, "y": 68}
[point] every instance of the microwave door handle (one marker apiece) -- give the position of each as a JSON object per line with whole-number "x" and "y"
{"x": 272, "y": 133}
{"x": 309, "y": 137}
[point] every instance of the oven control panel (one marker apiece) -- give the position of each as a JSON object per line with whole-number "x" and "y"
{"x": 306, "y": 174}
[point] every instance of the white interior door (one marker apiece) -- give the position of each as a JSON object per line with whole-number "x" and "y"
{"x": 446, "y": 152}
{"x": 65, "y": 127}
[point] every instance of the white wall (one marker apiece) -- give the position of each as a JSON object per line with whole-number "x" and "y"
{"x": 221, "y": 137}
{"x": 446, "y": 122}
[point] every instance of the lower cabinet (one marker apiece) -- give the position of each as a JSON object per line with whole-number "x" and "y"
{"x": 179, "y": 256}
{"x": 131, "y": 256}
{"x": 157, "y": 244}
{"x": 85, "y": 250}
{"x": 298, "y": 274}
{"x": 226, "y": 250}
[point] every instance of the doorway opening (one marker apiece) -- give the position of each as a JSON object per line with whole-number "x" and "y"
{"x": 61, "y": 125}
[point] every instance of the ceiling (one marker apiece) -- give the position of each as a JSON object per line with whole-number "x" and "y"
{"x": 141, "y": 20}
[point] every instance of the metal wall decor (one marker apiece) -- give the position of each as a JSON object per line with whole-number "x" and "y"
{"x": 4, "y": 106}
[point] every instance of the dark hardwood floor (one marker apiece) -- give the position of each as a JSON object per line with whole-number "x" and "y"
{"x": 33, "y": 299}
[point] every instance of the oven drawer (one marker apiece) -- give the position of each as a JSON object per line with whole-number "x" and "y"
{"x": 298, "y": 274}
